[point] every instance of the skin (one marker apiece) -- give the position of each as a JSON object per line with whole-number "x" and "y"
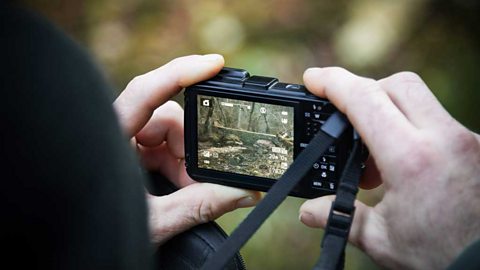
{"x": 428, "y": 163}
{"x": 155, "y": 126}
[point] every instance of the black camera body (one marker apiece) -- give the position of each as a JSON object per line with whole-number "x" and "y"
{"x": 245, "y": 131}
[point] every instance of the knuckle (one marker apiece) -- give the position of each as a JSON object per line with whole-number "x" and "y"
{"x": 361, "y": 89}
{"x": 366, "y": 86}
{"x": 179, "y": 68}
{"x": 203, "y": 210}
{"x": 136, "y": 83}
{"x": 173, "y": 107}
{"x": 175, "y": 112}
{"x": 176, "y": 61}
{"x": 463, "y": 141}
{"x": 408, "y": 76}
{"x": 411, "y": 80}
{"x": 419, "y": 158}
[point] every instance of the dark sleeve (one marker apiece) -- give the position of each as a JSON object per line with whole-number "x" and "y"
{"x": 71, "y": 194}
{"x": 469, "y": 259}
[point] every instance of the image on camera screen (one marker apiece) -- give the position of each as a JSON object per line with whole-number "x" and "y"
{"x": 244, "y": 137}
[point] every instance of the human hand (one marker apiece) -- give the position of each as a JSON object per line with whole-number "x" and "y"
{"x": 428, "y": 162}
{"x": 156, "y": 129}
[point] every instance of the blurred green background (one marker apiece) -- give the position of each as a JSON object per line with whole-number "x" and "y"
{"x": 439, "y": 40}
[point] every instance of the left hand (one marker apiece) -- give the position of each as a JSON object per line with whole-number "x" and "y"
{"x": 156, "y": 129}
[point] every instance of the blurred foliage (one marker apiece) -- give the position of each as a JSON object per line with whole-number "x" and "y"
{"x": 439, "y": 40}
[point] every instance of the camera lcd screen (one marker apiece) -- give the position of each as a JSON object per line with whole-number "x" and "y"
{"x": 244, "y": 137}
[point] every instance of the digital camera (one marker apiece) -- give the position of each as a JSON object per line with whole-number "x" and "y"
{"x": 245, "y": 131}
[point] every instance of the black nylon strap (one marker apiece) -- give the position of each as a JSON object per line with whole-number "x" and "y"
{"x": 331, "y": 130}
{"x": 341, "y": 214}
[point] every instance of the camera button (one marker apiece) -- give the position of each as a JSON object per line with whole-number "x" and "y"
{"x": 292, "y": 87}
{"x": 331, "y": 185}
{"x": 233, "y": 73}
{"x": 331, "y": 167}
{"x": 317, "y": 184}
{"x": 259, "y": 82}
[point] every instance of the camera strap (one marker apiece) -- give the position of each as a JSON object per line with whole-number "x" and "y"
{"x": 341, "y": 213}
{"x": 333, "y": 128}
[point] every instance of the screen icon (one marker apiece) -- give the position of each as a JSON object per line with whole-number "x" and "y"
{"x": 206, "y": 102}
{"x": 263, "y": 110}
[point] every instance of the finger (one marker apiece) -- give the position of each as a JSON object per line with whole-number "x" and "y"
{"x": 147, "y": 92}
{"x": 193, "y": 205}
{"x": 371, "y": 176}
{"x": 165, "y": 125}
{"x": 370, "y": 110}
{"x": 412, "y": 96}
{"x": 162, "y": 160}
{"x": 314, "y": 213}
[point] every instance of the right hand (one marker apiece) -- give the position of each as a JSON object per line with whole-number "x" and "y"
{"x": 429, "y": 164}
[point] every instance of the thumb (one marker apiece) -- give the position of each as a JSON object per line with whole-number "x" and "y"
{"x": 146, "y": 92}
{"x": 195, "y": 204}
{"x": 314, "y": 213}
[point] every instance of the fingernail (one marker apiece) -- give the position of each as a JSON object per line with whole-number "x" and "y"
{"x": 211, "y": 57}
{"x": 306, "y": 218}
{"x": 312, "y": 69}
{"x": 246, "y": 202}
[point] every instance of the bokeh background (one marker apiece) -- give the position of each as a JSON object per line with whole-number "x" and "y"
{"x": 375, "y": 38}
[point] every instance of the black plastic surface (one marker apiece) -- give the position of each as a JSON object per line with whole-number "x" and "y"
{"x": 310, "y": 114}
